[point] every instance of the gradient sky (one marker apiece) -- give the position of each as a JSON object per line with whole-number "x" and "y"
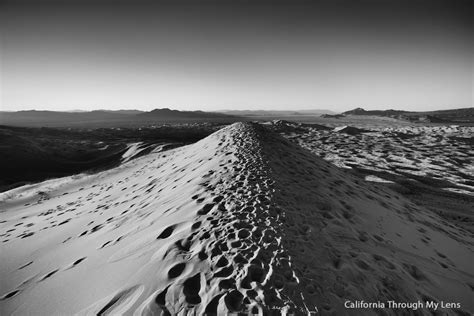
{"x": 210, "y": 55}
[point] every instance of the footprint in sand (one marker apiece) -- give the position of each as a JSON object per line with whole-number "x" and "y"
{"x": 176, "y": 270}
{"x": 9, "y": 295}
{"x": 191, "y": 288}
{"x": 166, "y": 232}
{"x": 122, "y": 301}
{"x": 50, "y": 274}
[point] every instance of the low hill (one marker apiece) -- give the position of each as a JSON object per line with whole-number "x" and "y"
{"x": 464, "y": 115}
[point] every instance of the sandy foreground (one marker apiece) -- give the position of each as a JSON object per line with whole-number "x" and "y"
{"x": 241, "y": 221}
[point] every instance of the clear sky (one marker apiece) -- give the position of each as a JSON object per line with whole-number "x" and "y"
{"x": 211, "y": 55}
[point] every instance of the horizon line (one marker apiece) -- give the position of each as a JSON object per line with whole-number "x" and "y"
{"x": 236, "y": 110}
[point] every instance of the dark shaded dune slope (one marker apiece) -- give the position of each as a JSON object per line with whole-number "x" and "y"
{"x": 351, "y": 240}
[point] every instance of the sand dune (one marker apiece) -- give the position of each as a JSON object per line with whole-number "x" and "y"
{"x": 241, "y": 221}
{"x": 443, "y": 153}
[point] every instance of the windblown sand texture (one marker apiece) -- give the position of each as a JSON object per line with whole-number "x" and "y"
{"x": 443, "y": 153}
{"x": 241, "y": 221}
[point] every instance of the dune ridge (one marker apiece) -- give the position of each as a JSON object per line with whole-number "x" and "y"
{"x": 241, "y": 221}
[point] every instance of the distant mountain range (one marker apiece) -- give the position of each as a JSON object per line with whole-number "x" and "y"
{"x": 106, "y": 118}
{"x": 136, "y": 118}
{"x": 276, "y": 113}
{"x": 463, "y": 115}
{"x": 172, "y": 114}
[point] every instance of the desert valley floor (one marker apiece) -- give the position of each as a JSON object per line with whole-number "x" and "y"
{"x": 254, "y": 219}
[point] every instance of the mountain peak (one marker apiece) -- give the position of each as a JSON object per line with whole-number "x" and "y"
{"x": 356, "y": 111}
